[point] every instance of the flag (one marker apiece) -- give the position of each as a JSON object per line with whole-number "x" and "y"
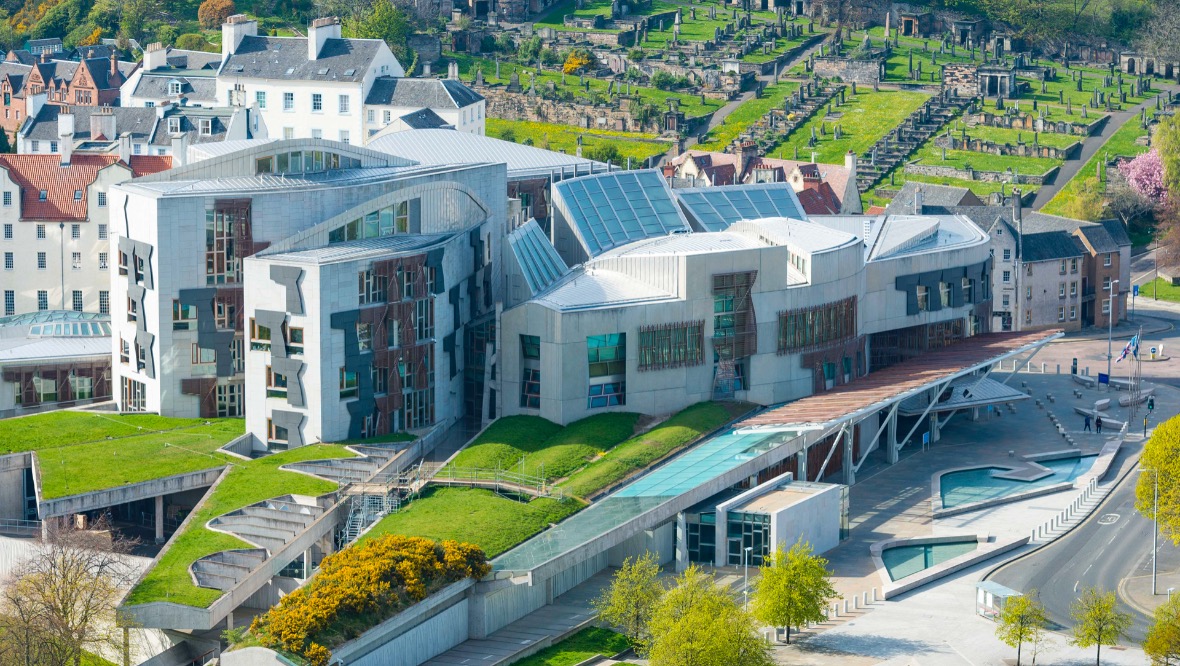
{"x": 1132, "y": 348}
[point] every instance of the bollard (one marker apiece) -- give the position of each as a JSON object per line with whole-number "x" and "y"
{"x": 874, "y": 595}
{"x": 855, "y": 602}
{"x": 864, "y": 601}
{"x": 846, "y": 609}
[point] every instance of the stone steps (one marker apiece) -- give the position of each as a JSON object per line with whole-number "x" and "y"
{"x": 891, "y": 150}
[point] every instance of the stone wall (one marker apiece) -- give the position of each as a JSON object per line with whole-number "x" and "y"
{"x": 1031, "y": 123}
{"x": 523, "y": 106}
{"x": 961, "y": 80}
{"x": 1020, "y": 149}
{"x": 865, "y": 72}
{"x": 984, "y": 176}
{"x": 428, "y": 47}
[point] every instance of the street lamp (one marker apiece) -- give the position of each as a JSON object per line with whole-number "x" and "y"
{"x": 1110, "y": 328}
{"x": 1155, "y": 525}
{"x": 746, "y": 575}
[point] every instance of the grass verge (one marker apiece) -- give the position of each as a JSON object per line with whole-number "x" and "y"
{"x": 745, "y": 115}
{"x": 1160, "y": 288}
{"x": 1120, "y": 144}
{"x": 564, "y": 138}
{"x": 247, "y": 482}
{"x": 581, "y": 646}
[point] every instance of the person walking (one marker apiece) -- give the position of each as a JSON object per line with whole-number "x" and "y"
{"x": 1098, "y": 424}
{"x": 1086, "y": 428}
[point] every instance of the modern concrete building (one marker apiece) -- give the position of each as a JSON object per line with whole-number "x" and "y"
{"x": 341, "y": 292}
{"x": 53, "y": 359}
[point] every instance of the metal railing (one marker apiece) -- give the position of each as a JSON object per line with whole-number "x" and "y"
{"x": 502, "y": 479}
{"x": 17, "y": 526}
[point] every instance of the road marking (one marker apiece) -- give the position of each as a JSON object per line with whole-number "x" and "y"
{"x": 1108, "y": 519}
{"x": 1075, "y": 586}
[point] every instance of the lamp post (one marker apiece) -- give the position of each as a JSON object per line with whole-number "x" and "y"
{"x": 1110, "y": 328}
{"x": 746, "y": 576}
{"x": 61, "y": 257}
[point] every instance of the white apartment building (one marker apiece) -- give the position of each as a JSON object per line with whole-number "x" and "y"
{"x": 400, "y": 104}
{"x": 313, "y": 87}
{"x": 172, "y": 76}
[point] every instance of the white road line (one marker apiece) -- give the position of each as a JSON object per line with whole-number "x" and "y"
{"x": 1075, "y": 586}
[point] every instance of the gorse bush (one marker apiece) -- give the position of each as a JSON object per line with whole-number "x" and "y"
{"x": 361, "y": 586}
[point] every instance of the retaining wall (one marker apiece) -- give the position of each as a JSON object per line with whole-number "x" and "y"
{"x": 983, "y": 176}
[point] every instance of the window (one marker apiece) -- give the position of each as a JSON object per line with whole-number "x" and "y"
{"x": 223, "y": 224}
{"x": 202, "y": 356}
{"x": 1073, "y": 265}
{"x": 530, "y": 389}
{"x": 1073, "y": 288}
{"x": 923, "y": 298}
{"x": 36, "y": 147}
{"x": 343, "y": 136}
{"x": 76, "y": 229}
{"x": 102, "y": 228}
{"x": 184, "y": 317}
{"x": 102, "y": 261}
{"x": 8, "y": 261}
{"x": 40, "y": 261}
{"x": 944, "y": 294}
{"x": 317, "y": 102}
{"x": 1061, "y": 313}
{"x": 344, "y": 103}
{"x": 137, "y": 149}
{"x": 349, "y": 386}
{"x": 9, "y": 302}
{"x": 968, "y": 291}
{"x": 1006, "y": 301}
{"x": 275, "y": 434}
{"x": 206, "y": 126}
{"x": 288, "y": 132}
{"x": 174, "y": 87}
{"x": 260, "y": 97}
{"x": 1106, "y": 283}
{"x": 1007, "y": 254}
{"x": 1063, "y": 267}
{"x": 1073, "y": 312}
{"x": 1027, "y": 293}
{"x": 294, "y": 340}
{"x": 174, "y": 125}
{"x": 41, "y": 227}
{"x": 606, "y": 355}
{"x": 8, "y": 198}
{"x": 104, "y": 302}
{"x": 610, "y": 394}
{"x": 229, "y": 400}
{"x": 1061, "y": 290}
{"x": 7, "y": 230}
{"x": 76, "y": 261}
{"x": 364, "y": 337}
{"x": 371, "y": 288}
{"x": 42, "y": 300}
{"x": 276, "y": 384}
{"x": 1028, "y": 269}
{"x": 393, "y": 330}
{"x": 371, "y": 116}
{"x": 46, "y": 389}
{"x": 816, "y": 326}
{"x": 259, "y": 336}
{"x": 1106, "y": 306}
{"x": 317, "y": 134}
{"x": 132, "y": 309}
{"x": 288, "y": 101}
{"x": 530, "y": 347}
{"x": 53, "y": 146}
{"x": 1106, "y": 259}
{"x": 1028, "y": 316}
{"x": 122, "y": 263}
{"x": 671, "y": 346}
{"x": 386, "y": 116}
{"x": 424, "y": 319}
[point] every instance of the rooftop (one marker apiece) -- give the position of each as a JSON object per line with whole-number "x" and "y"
{"x": 781, "y": 497}
{"x": 285, "y": 58}
{"x": 271, "y": 183}
{"x": 43, "y": 173}
{"x": 589, "y": 288}
{"x": 807, "y": 236}
{"x": 369, "y": 248}
{"x": 687, "y": 244}
{"x": 539, "y": 262}
{"x": 54, "y": 334}
{"x": 448, "y": 146}
{"x": 715, "y": 208}
{"x": 611, "y": 209}
{"x": 415, "y": 93}
{"x": 893, "y": 236}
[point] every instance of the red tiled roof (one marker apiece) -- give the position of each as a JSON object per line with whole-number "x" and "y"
{"x": 875, "y": 210}
{"x": 818, "y": 198}
{"x": 145, "y": 165}
{"x": 895, "y": 380}
{"x": 34, "y": 173}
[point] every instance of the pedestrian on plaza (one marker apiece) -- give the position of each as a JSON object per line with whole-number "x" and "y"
{"x": 1087, "y": 426}
{"x": 1098, "y": 423}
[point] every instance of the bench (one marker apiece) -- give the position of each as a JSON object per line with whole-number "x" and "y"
{"x": 1088, "y": 382}
{"x": 1127, "y": 401}
{"x": 1102, "y": 405}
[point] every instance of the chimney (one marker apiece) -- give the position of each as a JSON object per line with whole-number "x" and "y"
{"x": 919, "y": 200}
{"x": 125, "y": 148}
{"x": 320, "y": 31}
{"x": 233, "y": 30}
{"x": 426, "y": 70}
{"x": 850, "y": 164}
{"x": 102, "y": 123}
{"x": 155, "y": 57}
{"x": 453, "y": 70}
{"x": 44, "y": 56}
{"x": 65, "y": 135}
{"x": 114, "y": 64}
{"x": 1016, "y": 206}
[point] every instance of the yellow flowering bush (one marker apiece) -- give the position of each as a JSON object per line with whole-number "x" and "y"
{"x": 361, "y": 586}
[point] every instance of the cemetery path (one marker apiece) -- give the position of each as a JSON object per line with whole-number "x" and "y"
{"x": 1090, "y": 146}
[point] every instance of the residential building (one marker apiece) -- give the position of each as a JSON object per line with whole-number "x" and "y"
{"x": 396, "y": 104}
{"x": 53, "y": 359}
{"x": 12, "y": 95}
{"x": 48, "y": 46}
{"x": 173, "y": 76}
{"x": 55, "y": 240}
{"x": 88, "y": 82}
{"x": 326, "y": 267}
{"x": 305, "y": 87}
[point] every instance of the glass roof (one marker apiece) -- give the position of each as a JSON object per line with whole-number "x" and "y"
{"x": 691, "y": 469}
{"x": 715, "y": 208}
{"x": 45, "y": 316}
{"x": 538, "y": 259}
{"x": 616, "y": 208}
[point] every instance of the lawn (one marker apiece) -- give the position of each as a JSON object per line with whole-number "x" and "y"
{"x": 583, "y": 645}
{"x": 1121, "y": 143}
{"x": 745, "y": 115}
{"x": 1161, "y": 289}
{"x": 53, "y": 429}
{"x": 564, "y": 138}
{"x": 930, "y": 154}
{"x": 247, "y": 482}
{"x": 865, "y": 118}
{"x": 493, "y": 522}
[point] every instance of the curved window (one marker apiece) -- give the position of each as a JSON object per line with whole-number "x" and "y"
{"x": 388, "y": 221}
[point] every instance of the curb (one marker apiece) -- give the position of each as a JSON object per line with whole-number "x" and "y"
{"x": 1120, "y": 592}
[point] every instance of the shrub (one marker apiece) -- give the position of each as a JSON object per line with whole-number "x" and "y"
{"x": 212, "y": 13}
{"x": 359, "y": 587}
{"x": 192, "y": 42}
{"x": 579, "y": 60}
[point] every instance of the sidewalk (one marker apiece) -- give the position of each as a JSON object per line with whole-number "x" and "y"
{"x": 1124, "y": 330}
{"x": 1136, "y": 590}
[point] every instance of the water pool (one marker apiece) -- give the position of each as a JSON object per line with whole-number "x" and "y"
{"x": 978, "y": 485}
{"x": 902, "y": 561}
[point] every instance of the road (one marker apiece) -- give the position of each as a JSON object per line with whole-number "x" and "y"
{"x": 1111, "y": 545}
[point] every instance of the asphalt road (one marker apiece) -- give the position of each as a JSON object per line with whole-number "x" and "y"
{"x": 1109, "y": 546}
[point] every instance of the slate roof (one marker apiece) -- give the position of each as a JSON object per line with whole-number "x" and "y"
{"x": 16, "y": 74}
{"x": 103, "y": 51}
{"x": 1050, "y": 245}
{"x": 22, "y": 56}
{"x": 414, "y": 93}
{"x": 57, "y": 70}
{"x": 932, "y": 195}
{"x": 424, "y": 119}
{"x": 48, "y": 41}
{"x": 100, "y": 69}
{"x": 1111, "y": 233}
{"x": 286, "y": 58}
{"x": 139, "y": 121}
{"x": 34, "y": 173}
{"x": 185, "y": 59}
{"x": 154, "y": 84}
{"x": 190, "y": 124}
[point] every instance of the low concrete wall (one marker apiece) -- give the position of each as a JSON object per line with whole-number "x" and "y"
{"x": 12, "y": 484}
{"x": 986, "y": 550}
{"x": 241, "y": 446}
{"x": 422, "y": 631}
{"x": 101, "y": 499}
{"x": 936, "y": 494}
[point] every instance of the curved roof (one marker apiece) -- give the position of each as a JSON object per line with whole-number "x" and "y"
{"x": 46, "y": 316}
{"x": 715, "y": 208}
{"x": 611, "y": 209}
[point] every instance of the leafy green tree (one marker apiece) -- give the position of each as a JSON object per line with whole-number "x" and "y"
{"x": 192, "y": 42}
{"x": 1086, "y": 203}
{"x": 1098, "y": 621}
{"x": 631, "y": 597}
{"x": 698, "y": 623}
{"x": 5, "y": 144}
{"x": 385, "y": 21}
{"x": 1167, "y": 142}
{"x": 1021, "y": 621}
{"x": 604, "y": 152}
{"x": 1161, "y": 458}
{"x": 794, "y": 589}
{"x": 1162, "y": 643}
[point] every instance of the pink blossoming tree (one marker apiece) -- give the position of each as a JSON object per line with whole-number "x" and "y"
{"x": 1145, "y": 174}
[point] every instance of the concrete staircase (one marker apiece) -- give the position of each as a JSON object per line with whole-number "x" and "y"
{"x": 221, "y": 571}
{"x": 893, "y": 149}
{"x": 351, "y": 470}
{"x": 774, "y": 127}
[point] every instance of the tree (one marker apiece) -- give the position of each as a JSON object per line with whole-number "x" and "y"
{"x": 698, "y": 623}
{"x": 385, "y": 21}
{"x": 1086, "y": 203}
{"x": 1161, "y": 459}
{"x": 65, "y": 595}
{"x": 192, "y": 42}
{"x": 794, "y": 589}
{"x": 1145, "y": 174}
{"x": 5, "y": 142}
{"x": 631, "y": 597}
{"x": 1021, "y": 621}
{"x": 1162, "y": 642}
{"x": 604, "y": 152}
{"x": 1098, "y": 621}
{"x": 1160, "y": 36}
{"x": 213, "y": 13}
{"x": 1167, "y": 143}
{"x": 1130, "y": 206}
{"x": 579, "y": 60}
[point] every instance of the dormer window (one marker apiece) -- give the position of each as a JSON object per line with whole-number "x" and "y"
{"x": 174, "y": 125}
{"x": 77, "y": 195}
{"x": 43, "y": 195}
{"x": 174, "y": 87}
{"x": 206, "y": 125}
